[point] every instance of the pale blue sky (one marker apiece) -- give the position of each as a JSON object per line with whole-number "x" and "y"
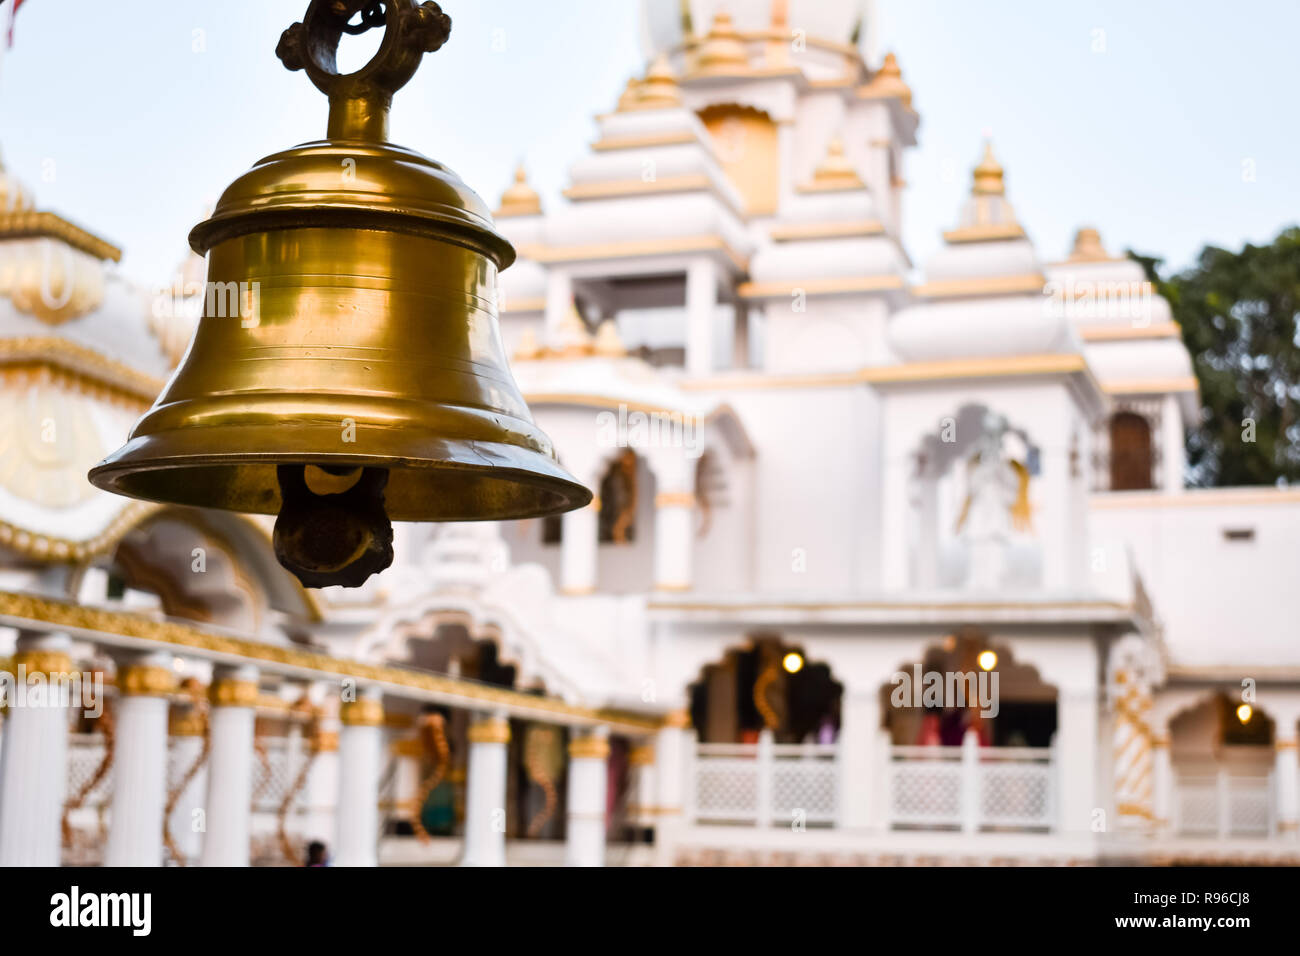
{"x": 1147, "y": 140}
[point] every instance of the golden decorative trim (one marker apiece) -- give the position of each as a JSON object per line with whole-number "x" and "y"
{"x": 38, "y": 225}
{"x": 232, "y": 692}
{"x": 147, "y": 680}
{"x": 643, "y": 756}
{"x": 1263, "y": 495}
{"x": 1160, "y": 741}
{"x": 362, "y": 712}
{"x": 23, "y": 610}
{"x": 680, "y": 719}
{"x": 1105, "y": 333}
{"x": 186, "y": 723}
{"x": 80, "y": 360}
{"x": 1048, "y": 364}
{"x": 590, "y": 747}
{"x": 489, "y": 730}
{"x": 43, "y": 662}
{"x": 643, "y": 142}
{"x": 583, "y": 591}
{"x": 1284, "y": 745}
{"x": 675, "y": 499}
{"x": 324, "y": 742}
{"x": 785, "y": 288}
{"x": 407, "y": 747}
{"x": 623, "y": 250}
{"x": 827, "y": 230}
{"x": 671, "y": 587}
{"x": 994, "y": 285}
{"x": 1149, "y": 386}
{"x": 637, "y": 187}
{"x": 985, "y": 233}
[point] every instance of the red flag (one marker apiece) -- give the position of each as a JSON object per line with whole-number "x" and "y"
{"x": 13, "y": 12}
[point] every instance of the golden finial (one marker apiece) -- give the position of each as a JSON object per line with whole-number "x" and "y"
{"x": 1088, "y": 247}
{"x": 835, "y": 171}
{"x": 659, "y": 88}
{"x": 572, "y": 338}
{"x": 520, "y": 199}
{"x": 888, "y": 82}
{"x": 723, "y": 52}
{"x": 988, "y": 175}
{"x": 778, "y": 46}
{"x": 631, "y": 93}
{"x": 608, "y": 342}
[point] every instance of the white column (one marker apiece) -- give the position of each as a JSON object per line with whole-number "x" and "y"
{"x": 140, "y": 762}
{"x": 578, "y": 550}
{"x": 1286, "y": 777}
{"x": 1172, "y": 455}
{"x": 701, "y": 307}
{"x": 1162, "y": 784}
{"x": 1076, "y": 755}
{"x": 34, "y": 761}
{"x": 559, "y": 300}
{"x": 361, "y": 742}
{"x": 485, "y": 793}
{"x": 186, "y": 731}
{"x": 320, "y": 793}
{"x": 588, "y": 761}
{"x": 895, "y": 508}
{"x": 670, "y": 765}
{"x": 641, "y": 762}
{"x": 861, "y": 760}
{"x": 674, "y": 540}
{"x": 230, "y": 767}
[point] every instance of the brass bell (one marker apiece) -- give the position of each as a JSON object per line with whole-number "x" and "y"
{"x": 348, "y": 368}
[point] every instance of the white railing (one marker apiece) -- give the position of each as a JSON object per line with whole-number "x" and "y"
{"x": 1224, "y": 804}
{"x": 765, "y": 784}
{"x": 972, "y": 788}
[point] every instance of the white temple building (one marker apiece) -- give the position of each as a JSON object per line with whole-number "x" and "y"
{"x": 822, "y": 473}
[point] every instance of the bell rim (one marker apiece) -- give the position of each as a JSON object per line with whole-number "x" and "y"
{"x": 531, "y": 470}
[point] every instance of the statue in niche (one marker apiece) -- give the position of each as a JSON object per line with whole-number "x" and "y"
{"x": 997, "y": 503}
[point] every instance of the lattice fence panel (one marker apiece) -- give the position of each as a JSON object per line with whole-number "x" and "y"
{"x": 726, "y": 789}
{"x": 807, "y": 785}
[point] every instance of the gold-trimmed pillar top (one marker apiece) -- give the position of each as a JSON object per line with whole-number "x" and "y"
{"x": 234, "y": 687}
{"x": 491, "y": 729}
{"x": 365, "y": 711}
{"x": 146, "y": 679}
{"x": 589, "y": 746}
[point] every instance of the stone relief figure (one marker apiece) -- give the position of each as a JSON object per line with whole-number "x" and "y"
{"x": 997, "y": 503}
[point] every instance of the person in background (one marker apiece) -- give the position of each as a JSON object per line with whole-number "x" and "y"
{"x": 316, "y": 855}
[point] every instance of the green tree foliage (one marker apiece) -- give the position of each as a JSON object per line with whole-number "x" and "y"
{"x": 1238, "y": 312}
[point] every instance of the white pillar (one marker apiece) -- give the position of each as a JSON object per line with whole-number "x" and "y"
{"x": 1076, "y": 755}
{"x": 320, "y": 792}
{"x": 670, "y": 766}
{"x": 588, "y": 762}
{"x": 701, "y": 308}
{"x": 360, "y": 750}
{"x": 861, "y": 761}
{"x": 578, "y": 550}
{"x": 559, "y": 300}
{"x": 674, "y": 540}
{"x": 186, "y": 731}
{"x": 485, "y": 793}
{"x": 34, "y": 761}
{"x": 1162, "y": 784}
{"x": 1286, "y": 778}
{"x": 230, "y": 767}
{"x": 641, "y": 763}
{"x": 140, "y": 762}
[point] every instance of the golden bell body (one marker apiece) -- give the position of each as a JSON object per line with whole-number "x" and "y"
{"x": 350, "y": 323}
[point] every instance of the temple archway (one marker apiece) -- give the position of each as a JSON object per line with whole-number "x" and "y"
{"x": 766, "y": 685}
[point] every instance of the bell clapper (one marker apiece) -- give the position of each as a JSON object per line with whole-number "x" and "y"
{"x": 332, "y": 528}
